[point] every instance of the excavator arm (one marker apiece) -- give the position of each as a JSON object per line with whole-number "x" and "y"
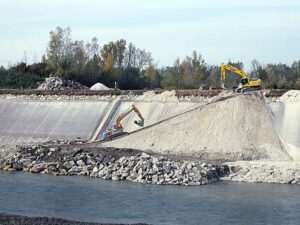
{"x": 133, "y": 108}
{"x": 232, "y": 69}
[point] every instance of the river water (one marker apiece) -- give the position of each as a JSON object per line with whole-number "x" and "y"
{"x": 81, "y": 198}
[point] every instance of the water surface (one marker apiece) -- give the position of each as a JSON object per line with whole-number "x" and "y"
{"x": 81, "y": 198}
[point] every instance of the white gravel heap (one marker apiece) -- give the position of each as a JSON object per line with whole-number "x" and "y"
{"x": 99, "y": 87}
{"x": 291, "y": 96}
{"x": 266, "y": 172}
{"x": 59, "y": 83}
{"x": 166, "y": 96}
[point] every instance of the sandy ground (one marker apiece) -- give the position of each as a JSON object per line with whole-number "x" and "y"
{"x": 238, "y": 128}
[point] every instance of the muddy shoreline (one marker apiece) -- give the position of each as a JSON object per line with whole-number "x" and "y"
{"x": 10, "y": 219}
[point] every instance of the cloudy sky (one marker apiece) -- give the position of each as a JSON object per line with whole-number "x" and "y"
{"x": 268, "y": 30}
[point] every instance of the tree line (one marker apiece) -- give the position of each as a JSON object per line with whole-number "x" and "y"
{"x": 134, "y": 68}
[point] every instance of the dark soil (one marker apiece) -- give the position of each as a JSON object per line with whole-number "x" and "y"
{"x": 69, "y": 92}
{"x": 276, "y": 92}
{"x": 197, "y": 92}
{"x": 109, "y": 154}
{"x": 87, "y": 92}
{"x": 8, "y": 219}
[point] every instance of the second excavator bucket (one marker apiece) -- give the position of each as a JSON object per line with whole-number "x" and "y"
{"x": 223, "y": 85}
{"x": 139, "y": 122}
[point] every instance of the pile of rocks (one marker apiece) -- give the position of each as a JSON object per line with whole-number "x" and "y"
{"x": 264, "y": 172}
{"x": 78, "y": 140}
{"x": 58, "y": 83}
{"x": 142, "y": 168}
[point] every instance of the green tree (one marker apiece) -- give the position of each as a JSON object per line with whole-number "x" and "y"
{"x": 59, "y": 49}
{"x": 152, "y": 77}
{"x": 112, "y": 54}
{"x": 172, "y": 77}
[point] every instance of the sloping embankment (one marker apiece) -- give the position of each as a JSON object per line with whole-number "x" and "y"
{"x": 286, "y": 118}
{"x": 25, "y": 121}
{"x": 39, "y": 118}
{"x": 238, "y": 128}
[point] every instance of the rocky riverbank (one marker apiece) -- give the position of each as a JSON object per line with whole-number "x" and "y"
{"x": 264, "y": 172}
{"x": 8, "y": 219}
{"x": 111, "y": 164}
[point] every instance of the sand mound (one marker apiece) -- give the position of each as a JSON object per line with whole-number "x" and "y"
{"x": 166, "y": 96}
{"x": 291, "y": 96}
{"x": 238, "y": 128}
{"x": 99, "y": 87}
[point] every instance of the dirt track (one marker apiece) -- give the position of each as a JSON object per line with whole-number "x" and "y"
{"x": 87, "y": 92}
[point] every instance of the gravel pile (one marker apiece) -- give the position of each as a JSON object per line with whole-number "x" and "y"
{"x": 99, "y": 87}
{"x": 266, "y": 172}
{"x": 58, "y": 83}
{"x": 141, "y": 168}
{"x": 291, "y": 96}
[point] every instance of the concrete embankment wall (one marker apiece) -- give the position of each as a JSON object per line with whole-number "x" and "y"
{"x": 26, "y": 121}
{"x": 23, "y": 121}
{"x": 286, "y": 119}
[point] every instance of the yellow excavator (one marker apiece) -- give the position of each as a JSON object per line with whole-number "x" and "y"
{"x": 118, "y": 129}
{"x": 246, "y": 83}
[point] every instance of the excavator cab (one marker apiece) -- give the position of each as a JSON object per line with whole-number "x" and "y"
{"x": 244, "y": 81}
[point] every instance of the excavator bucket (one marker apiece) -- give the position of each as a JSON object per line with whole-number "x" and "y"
{"x": 223, "y": 85}
{"x": 139, "y": 122}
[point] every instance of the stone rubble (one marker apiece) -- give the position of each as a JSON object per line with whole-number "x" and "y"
{"x": 264, "y": 172}
{"x": 109, "y": 97}
{"x": 142, "y": 168}
{"x": 58, "y": 98}
{"x": 59, "y": 83}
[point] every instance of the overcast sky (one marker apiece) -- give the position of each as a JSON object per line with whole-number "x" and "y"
{"x": 268, "y": 30}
